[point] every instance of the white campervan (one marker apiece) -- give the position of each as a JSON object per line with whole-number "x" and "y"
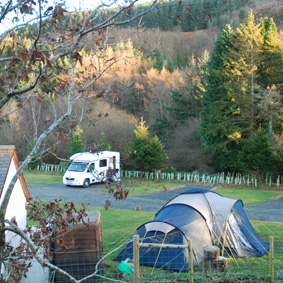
{"x": 87, "y": 168}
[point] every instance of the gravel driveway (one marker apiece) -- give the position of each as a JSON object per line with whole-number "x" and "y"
{"x": 268, "y": 211}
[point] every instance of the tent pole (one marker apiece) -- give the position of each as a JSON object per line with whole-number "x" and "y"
{"x": 191, "y": 265}
{"x": 136, "y": 259}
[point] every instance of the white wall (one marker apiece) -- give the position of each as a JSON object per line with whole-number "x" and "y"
{"x": 17, "y": 208}
{"x": 17, "y": 203}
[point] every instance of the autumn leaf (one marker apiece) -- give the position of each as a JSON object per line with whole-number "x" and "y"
{"x": 109, "y": 60}
{"x": 64, "y": 140}
{"x": 23, "y": 54}
{"x": 101, "y": 31}
{"x": 25, "y": 9}
{"x": 15, "y": 19}
{"x": 99, "y": 95}
{"x": 47, "y": 12}
{"x": 49, "y": 65}
{"x": 208, "y": 17}
{"x": 40, "y": 56}
{"x": 98, "y": 42}
{"x": 58, "y": 13}
{"x": 87, "y": 22}
{"x": 179, "y": 19}
{"x": 77, "y": 57}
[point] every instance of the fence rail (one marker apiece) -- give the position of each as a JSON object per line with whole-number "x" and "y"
{"x": 137, "y": 245}
{"x": 193, "y": 177}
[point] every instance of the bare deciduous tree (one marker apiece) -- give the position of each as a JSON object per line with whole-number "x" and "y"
{"x": 44, "y": 67}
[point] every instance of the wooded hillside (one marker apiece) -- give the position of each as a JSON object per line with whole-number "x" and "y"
{"x": 161, "y": 74}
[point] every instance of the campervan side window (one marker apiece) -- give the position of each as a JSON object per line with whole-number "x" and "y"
{"x": 102, "y": 162}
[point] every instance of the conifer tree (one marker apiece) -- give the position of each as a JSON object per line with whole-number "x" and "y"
{"x": 256, "y": 155}
{"x": 187, "y": 99}
{"x": 218, "y": 110}
{"x": 236, "y": 92}
{"x": 149, "y": 153}
{"x": 241, "y": 68}
{"x": 77, "y": 144}
{"x": 271, "y": 61}
{"x": 35, "y": 161}
{"x": 158, "y": 59}
{"x": 103, "y": 143}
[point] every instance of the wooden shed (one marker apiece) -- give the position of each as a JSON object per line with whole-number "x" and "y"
{"x": 80, "y": 260}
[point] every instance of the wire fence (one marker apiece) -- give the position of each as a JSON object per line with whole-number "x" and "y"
{"x": 254, "y": 269}
{"x": 193, "y": 177}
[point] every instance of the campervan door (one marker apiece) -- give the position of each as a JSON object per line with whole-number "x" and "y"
{"x": 108, "y": 160}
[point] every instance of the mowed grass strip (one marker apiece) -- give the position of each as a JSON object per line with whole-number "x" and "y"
{"x": 249, "y": 196}
{"x": 36, "y": 177}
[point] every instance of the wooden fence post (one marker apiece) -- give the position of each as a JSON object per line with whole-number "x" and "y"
{"x": 136, "y": 259}
{"x": 271, "y": 258}
{"x": 191, "y": 264}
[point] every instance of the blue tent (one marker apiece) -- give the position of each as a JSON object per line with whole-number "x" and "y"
{"x": 206, "y": 218}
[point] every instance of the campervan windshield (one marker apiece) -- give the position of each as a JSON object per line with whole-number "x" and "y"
{"x": 77, "y": 167}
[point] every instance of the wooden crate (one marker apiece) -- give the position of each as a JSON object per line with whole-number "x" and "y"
{"x": 84, "y": 244}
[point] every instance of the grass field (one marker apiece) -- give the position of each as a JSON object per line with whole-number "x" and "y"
{"x": 249, "y": 196}
{"x": 36, "y": 177}
{"x": 118, "y": 226}
{"x": 112, "y": 219}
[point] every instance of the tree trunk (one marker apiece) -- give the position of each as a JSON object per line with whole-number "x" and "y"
{"x": 2, "y": 240}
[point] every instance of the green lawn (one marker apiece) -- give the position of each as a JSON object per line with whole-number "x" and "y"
{"x": 118, "y": 226}
{"x": 36, "y": 177}
{"x": 249, "y": 196}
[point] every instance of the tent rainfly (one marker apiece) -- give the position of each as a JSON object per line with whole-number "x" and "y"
{"x": 206, "y": 218}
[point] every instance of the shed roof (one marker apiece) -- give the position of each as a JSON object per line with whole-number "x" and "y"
{"x": 7, "y": 154}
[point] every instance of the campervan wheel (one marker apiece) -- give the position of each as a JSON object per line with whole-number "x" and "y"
{"x": 86, "y": 183}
